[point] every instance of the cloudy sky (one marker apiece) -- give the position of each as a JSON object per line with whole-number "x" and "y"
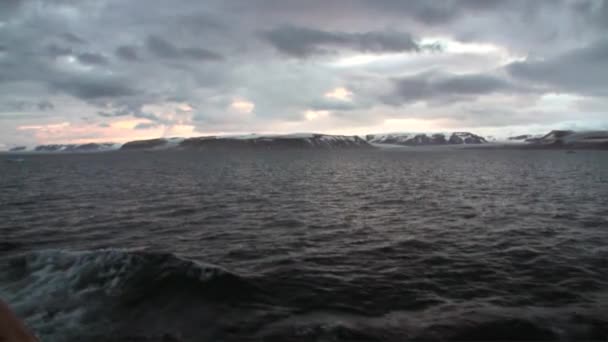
{"x": 117, "y": 70}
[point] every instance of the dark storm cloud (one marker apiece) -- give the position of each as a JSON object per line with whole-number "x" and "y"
{"x": 91, "y": 88}
{"x": 583, "y": 70}
{"x": 127, "y": 53}
{"x": 303, "y": 42}
{"x": 164, "y": 49}
{"x": 446, "y": 87}
{"x": 92, "y": 59}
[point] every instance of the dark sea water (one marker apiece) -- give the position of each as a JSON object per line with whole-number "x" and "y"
{"x": 381, "y": 245}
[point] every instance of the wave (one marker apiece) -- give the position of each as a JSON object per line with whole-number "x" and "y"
{"x": 60, "y": 291}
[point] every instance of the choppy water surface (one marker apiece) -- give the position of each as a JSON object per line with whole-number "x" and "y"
{"x": 307, "y": 246}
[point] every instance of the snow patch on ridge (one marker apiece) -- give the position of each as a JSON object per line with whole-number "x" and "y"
{"x": 416, "y": 139}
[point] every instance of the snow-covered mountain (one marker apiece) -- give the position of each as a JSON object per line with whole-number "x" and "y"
{"x": 255, "y": 141}
{"x": 67, "y": 148}
{"x": 420, "y": 139}
{"x": 553, "y": 139}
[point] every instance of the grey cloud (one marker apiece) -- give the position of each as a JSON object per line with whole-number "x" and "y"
{"x": 583, "y": 70}
{"x": 10, "y": 106}
{"x": 146, "y": 125}
{"x": 170, "y": 48}
{"x": 202, "y": 54}
{"x": 176, "y": 98}
{"x": 446, "y": 87}
{"x": 54, "y": 50}
{"x": 92, "y": 59}
{"x": 115, "y": 113}
{"x": 438, "y": 12}
{"x": 127, "y": 53}
{"x": 164, "y": 49}
{"x": 123, "y": 108}
{"x": 202, "y": 22}
{"x": 88, "y": 119}
{"x": 21, "y": 105}
{"x": 104, "y": 125}
{"x": 337, "y": 105}
{"x": 45, "y": 105}
{"x": 470, "y": 84}
{"x": 19, "y": 116}
{"x": 72, "y": 38}
{"x": 8, "y": 7}
{"x": 149, "y": 116}
{"x": 136, "y": 112}
{"x": 90, "y": 88}
{"x": 303, "y": 42}
{"x": 592, "y": 11}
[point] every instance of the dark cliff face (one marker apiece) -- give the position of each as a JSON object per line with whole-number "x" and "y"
{"x": 313, "y": 142}
{"x": 48, "y": 148}
{"x": 91, "y": 147}
{"x": 144, "y": 144}
{"x": 455, "y": 138}
{"x": 307, "y": 141}
{"x": 521, "y": 137}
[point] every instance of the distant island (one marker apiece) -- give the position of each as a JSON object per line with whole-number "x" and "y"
{"x": 563, "y": 139}
{"x": 567, "y": 139}
{"x": 557, "y": 139}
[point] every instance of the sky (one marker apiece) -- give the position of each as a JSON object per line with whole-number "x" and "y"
{"x": 75, "y": 71}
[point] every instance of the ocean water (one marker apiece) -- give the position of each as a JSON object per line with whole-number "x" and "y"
{"x": 380, "y": 245}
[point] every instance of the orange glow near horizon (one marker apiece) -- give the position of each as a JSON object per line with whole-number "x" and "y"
{"x": 121, "y": 131}
{"x": 117, "y": 132}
